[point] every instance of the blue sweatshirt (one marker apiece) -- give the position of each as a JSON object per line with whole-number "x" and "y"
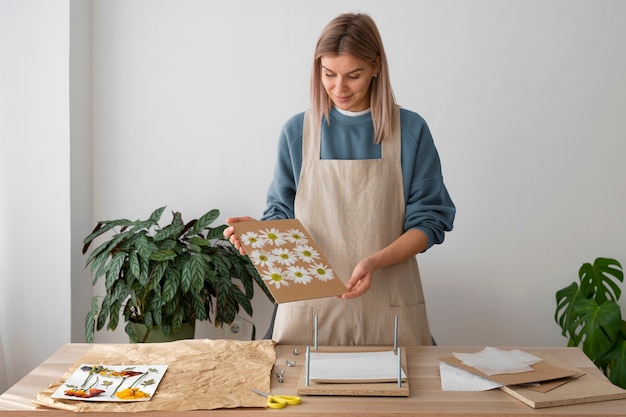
{"x": 429, "y": 207}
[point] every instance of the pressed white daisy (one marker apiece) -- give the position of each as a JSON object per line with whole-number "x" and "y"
{"x": 273, "y": 236}
{"x": 284, "y": 256}
{"x": 299, "y": 275}
{"x": 321, "y": 272}
{"x": 276, "y": 277}
{"x": 296, "y": 236}
{"x": 252, "y": 239}
{"x": 262, "y": 258}
{"x": 306, "y": 253}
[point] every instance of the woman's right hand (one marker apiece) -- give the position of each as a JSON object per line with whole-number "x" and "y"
{"x": 229, "y": 232}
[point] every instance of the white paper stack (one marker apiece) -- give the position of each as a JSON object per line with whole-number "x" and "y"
{"x": 354, "y": 367}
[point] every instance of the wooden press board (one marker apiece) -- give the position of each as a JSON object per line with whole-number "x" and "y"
{"x": 585, "y": 389}
{"x": 370, "y": 389}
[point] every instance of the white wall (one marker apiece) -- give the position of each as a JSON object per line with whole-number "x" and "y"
{"x": 34, "y": 182}
{"x": 81, "y": 205}
{"x": 525, "y": 98}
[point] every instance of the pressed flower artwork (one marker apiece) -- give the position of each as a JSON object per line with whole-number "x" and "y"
{"x": 111, "y": 383}
{"x": 288, "y": 259}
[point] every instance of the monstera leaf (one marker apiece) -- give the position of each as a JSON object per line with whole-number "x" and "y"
{"x": 599, "y": 279}
{"x": 589, "y": 314}
{"x": 597, "y": 326}
{"x": 597, "y": 282}
{"x": 615, "y": 361}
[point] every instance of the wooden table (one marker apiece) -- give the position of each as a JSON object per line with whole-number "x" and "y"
{"x": 426, "y": 396}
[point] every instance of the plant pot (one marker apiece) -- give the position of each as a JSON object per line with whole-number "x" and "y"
{"x": 139, "y": 333}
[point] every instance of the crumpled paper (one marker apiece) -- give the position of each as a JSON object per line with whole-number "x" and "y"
{"x": 202, "y": 374}
{"x": 494, "y": 361}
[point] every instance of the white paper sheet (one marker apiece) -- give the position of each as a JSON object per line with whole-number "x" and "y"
{"x": 354, "y": 367}
{"x": 494, "y": 361}
{"x": 457, "y": 379}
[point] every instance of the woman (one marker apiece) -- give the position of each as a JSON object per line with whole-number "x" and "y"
{"x": 364, "y": 177}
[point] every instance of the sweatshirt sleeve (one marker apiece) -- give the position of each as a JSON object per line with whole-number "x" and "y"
{"x": 429, "y": 207}
{"x": 282, "y": 190}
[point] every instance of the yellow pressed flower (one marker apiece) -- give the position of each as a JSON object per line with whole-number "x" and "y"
{"x": 131, "y": 394}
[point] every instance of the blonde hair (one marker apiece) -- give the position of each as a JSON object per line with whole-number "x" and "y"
{"x": 357, "y": 35}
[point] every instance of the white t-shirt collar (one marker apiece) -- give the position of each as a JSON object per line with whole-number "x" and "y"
{"x": 353, "y": 113}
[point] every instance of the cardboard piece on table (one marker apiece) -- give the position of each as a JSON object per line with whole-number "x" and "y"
{"x": 542, "y": 371}
{"x": 359, "y": 389}
{"x": 288, "y": 259}
{"x": 584, "y": 389}
{"x": 545, "y": 386}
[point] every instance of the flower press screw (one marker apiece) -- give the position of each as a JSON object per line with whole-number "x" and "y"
{"x": 280, "y": 375}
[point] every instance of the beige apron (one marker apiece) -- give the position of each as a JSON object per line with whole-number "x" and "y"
{"x": 353, "y": 208}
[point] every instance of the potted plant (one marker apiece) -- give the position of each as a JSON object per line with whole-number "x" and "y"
{"x": 166, "y": 277}
{"x": 589, "y": 313}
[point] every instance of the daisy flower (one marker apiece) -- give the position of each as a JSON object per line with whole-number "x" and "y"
{"x": 276, "y": 277}
{"x": 273, "y": 237}
{"x": 284, "y": 256}
{"x": 321, "y": 272}
{"x": 306, "y": 253}
{"x": 299, "y": 275}
{"x": 296, "y": 236}
{"x": 252, "y": 239}
{"x": 262, "y": 258}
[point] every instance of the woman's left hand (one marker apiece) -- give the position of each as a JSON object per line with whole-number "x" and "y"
{"x": 410, "y": 243}
{"x": 361, "y": 279}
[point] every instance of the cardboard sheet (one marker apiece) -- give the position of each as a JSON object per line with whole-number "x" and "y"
{"x": 542, "y": 371}
{"x": 578, "y": 390}
{"x": 288, "y": 259}
{"x": 202, "y": 374}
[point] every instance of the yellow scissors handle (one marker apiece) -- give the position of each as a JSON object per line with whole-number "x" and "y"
{"x": 281, "y": 401}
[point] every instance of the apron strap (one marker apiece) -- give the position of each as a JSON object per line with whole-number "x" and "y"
{"x": 310, "y": 138}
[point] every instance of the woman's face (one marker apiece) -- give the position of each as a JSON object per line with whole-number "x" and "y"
{"x": 347, "y": 80}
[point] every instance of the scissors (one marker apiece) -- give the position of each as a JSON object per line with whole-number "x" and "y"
{"x": 278, "y": 401}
